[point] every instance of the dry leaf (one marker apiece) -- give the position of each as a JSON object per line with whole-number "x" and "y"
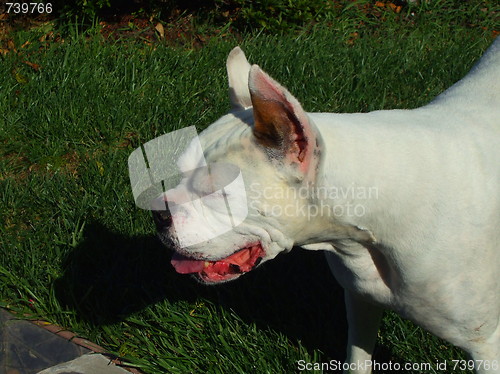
{"x": 352, "y": 38}
{"x": 11, "y": 45}
{"x": 160, "y": 29}
{"x": 380, "y": 4}
{"x": 20, "y": 78}
{"x": 32, "y": 65}
{"x": 394, "y": 7}
{"x": 100, "y": 167}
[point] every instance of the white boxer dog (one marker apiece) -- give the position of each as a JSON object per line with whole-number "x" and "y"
{"x": 405, "y": 203}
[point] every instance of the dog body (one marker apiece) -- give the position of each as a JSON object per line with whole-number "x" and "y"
{"x": 406, "y": 203}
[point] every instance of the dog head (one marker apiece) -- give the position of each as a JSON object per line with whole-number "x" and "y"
{"x": 267, "y": 139}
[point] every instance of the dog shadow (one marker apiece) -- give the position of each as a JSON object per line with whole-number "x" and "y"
{"x": 110, "y": 276}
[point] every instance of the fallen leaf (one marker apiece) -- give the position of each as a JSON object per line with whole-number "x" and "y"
{"x": 394, "y": 7}
{"x": 11, "y": 45}
{"x": 20, "y": 78}
{"x": 160, "y": 29}
{"x": 380, "y": 4}
{"x": 100, "y": 167}
{"x": 32, "y": 65}
{"x": 352, "y": 38}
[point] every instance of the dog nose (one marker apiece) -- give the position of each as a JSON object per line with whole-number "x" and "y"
{"x": 162, "y": 218}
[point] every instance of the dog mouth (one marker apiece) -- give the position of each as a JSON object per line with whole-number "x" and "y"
{"x": 222, "y": 270}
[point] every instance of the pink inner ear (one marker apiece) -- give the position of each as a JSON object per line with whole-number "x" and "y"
{"x": 265, "y": 87}
{"x": 287, "y": 115}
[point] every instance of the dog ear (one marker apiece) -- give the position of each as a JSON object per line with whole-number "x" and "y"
{"x": 238, "y": 69}
{"x": 280, "y": 123}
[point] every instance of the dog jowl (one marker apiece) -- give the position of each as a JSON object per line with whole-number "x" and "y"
{"x": 405, "y": 203}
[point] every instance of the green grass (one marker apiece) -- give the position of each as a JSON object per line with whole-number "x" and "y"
{"x": 76, "y": 251}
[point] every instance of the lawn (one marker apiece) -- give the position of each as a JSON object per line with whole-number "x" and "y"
{"x": 76, "y": 251}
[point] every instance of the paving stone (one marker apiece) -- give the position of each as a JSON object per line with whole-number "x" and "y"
{"x": 26, "y": 348}
{"x": 91, "y": 363}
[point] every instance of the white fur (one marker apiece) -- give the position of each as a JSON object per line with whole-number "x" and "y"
{"x": 428, "y": 242}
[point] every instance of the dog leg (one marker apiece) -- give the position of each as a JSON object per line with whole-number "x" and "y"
{"x": 363, "y": 322}
{"x": 486, "y": 354}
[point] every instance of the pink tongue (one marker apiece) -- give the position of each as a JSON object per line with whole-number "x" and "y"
{"x": 245, "y": 259}
{"x": 185, "y": 265}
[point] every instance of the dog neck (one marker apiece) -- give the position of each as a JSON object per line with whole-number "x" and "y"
{"x": 385, "y": 170}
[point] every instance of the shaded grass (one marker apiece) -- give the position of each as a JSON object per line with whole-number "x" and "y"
{"x": 75, "y": 249}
